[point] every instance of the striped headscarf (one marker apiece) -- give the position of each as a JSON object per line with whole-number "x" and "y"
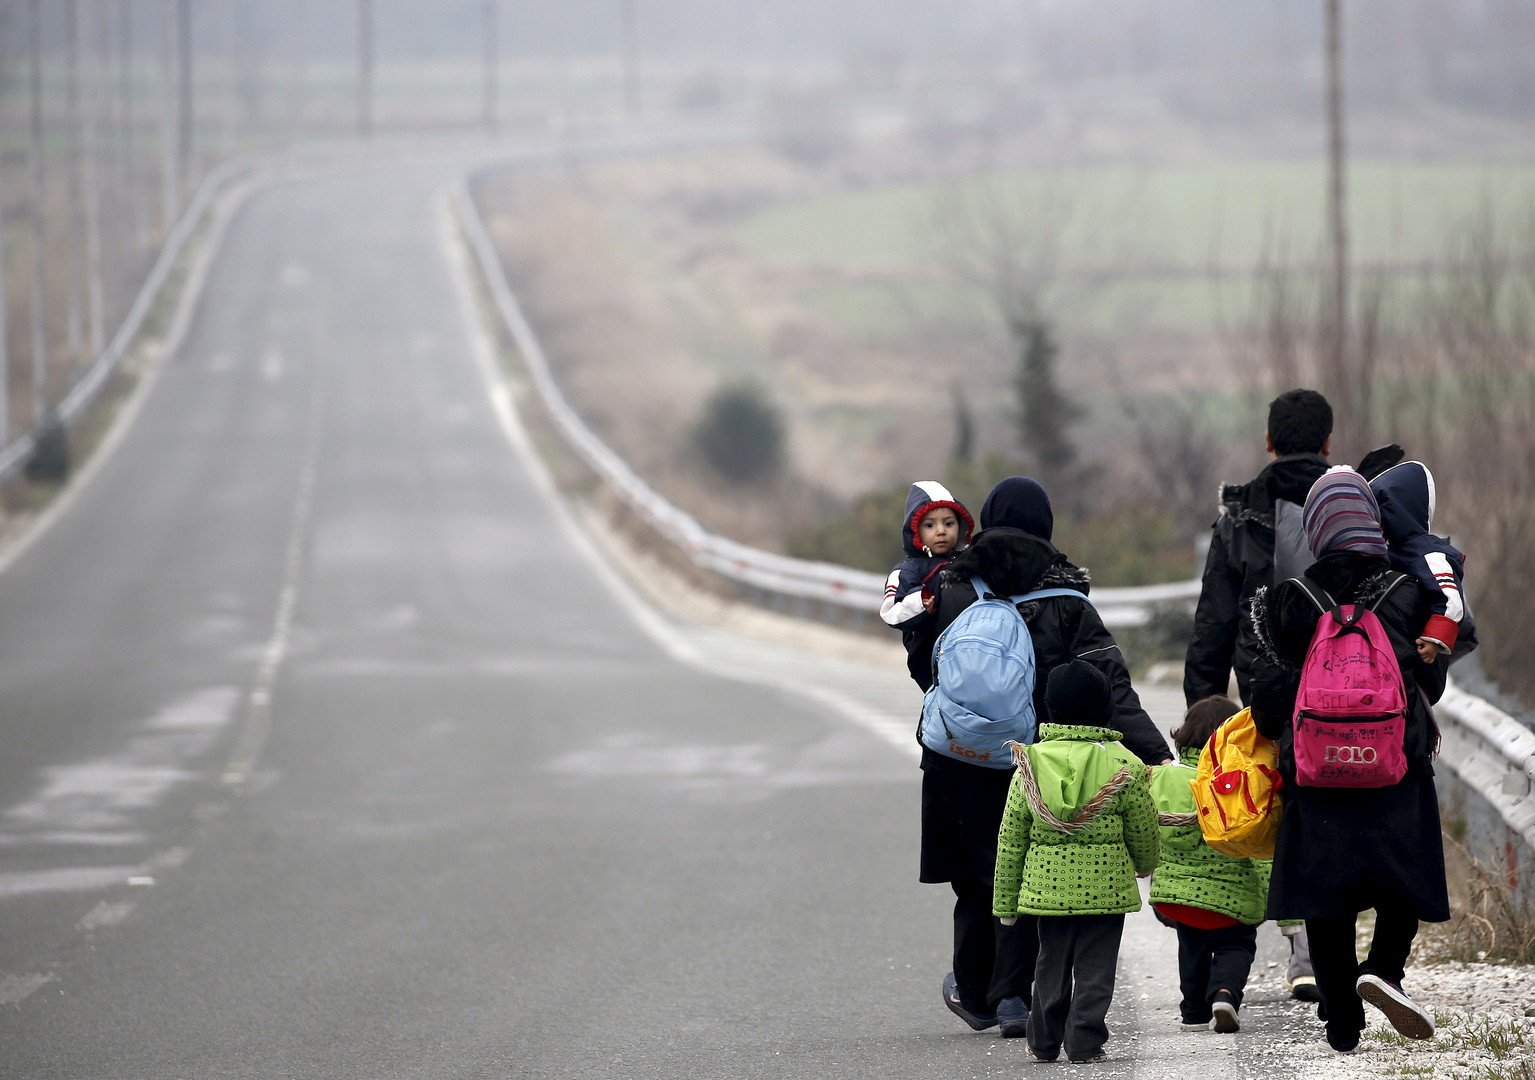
{"x": 1341, "y": 515}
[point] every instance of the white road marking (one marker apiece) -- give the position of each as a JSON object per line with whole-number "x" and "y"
{"x": 893, "y": 730}
{"x": 15, "y": 989}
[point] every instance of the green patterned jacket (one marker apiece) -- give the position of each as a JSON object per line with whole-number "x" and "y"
{"x": 1079, "y": 826}
{"x": 1193, "y": 873}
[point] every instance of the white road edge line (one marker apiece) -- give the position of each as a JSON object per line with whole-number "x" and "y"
{"x": 191, "y": 295}
{"x": 501, "y": 401}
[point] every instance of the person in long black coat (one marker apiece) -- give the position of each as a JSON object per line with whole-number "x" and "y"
{"x": 1342, "y": 851}
{"x": 962, "y": 804}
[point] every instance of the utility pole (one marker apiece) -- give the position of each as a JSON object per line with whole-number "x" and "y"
{"x": 73, "y": 247}
{"x": 5, "y": 358}
{"x": 630, "y": 31}
{"x": 95, "y": 290}
{"x": 489, "y": 33}
{"x": 365, "y": 67}
{"x": 186, "y": 120}
{"x": 127, "y": 125}
{"x": 1337, "y": 210}
{"x": 170, "y": 176}
{"x": 39, "y": 224}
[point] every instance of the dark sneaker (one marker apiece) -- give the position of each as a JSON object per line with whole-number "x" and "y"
{"x": 1194, "y": 1025}
{"x": 1407, "y": 1016}
{"x": 1223, "y": 1013}
{"x": 1013, "y": 1017}
{"x": 979, "y": 1019}
{"x": 1343, "y": 1040}
{"x": 1099, "y": 1056}
{"x": 1040, "y": 1055}
{"x": 1303, "y": 988}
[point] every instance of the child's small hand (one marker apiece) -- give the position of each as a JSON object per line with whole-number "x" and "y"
{"x": 929, "y": 602}
{"x": 1428, "y": 651}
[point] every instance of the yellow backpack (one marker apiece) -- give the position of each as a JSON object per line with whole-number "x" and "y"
{"x": 1236, "y": 790}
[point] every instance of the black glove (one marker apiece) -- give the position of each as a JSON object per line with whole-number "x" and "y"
{"x": 1380, "y": 459}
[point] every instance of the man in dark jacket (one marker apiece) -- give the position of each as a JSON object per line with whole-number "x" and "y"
{"x": 962, "y": 804}
{"x": 1255, "y": 520}
{"x": 1258, "y": 540}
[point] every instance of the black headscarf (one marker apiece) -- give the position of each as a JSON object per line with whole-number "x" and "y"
{"x": 1019, "y": 503}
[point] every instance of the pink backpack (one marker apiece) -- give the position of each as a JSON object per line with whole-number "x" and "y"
{"x": 1351, "y": 709}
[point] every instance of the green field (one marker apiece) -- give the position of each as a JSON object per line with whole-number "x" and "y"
{"x": 1139, "y": 247}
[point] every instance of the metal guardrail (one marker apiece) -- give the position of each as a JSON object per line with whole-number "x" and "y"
{"x": 1488, "y": 751}
{"x": 79, "y": 397}
{"x": 751, "y": 567}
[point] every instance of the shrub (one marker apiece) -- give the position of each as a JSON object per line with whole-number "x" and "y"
{"x": 741, "y": 435}
{"x": 49, "y": 462}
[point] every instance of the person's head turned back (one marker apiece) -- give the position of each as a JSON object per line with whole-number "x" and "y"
{"x": 1200, "y": 722}
{"x": 1300, "y": 422}
{"x": 1019, "y": 503}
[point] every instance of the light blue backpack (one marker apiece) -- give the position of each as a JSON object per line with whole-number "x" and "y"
{"x": 982, "y": 695}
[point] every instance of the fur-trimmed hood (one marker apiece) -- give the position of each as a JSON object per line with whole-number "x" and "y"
{"x": 1012, "y": 561}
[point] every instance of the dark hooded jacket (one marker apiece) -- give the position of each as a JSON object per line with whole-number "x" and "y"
{"x": 1239, "y": 562}
{"x": 902, "y": 606}
{"x": 1345, "y": 850}
{"x": 962, "y": 804}
{"x": 1405, "y": 494}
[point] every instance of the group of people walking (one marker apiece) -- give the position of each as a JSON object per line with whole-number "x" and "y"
{"x": 1043, "y": 845}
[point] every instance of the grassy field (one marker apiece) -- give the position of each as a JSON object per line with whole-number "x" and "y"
{"x": 1165, "y": 249}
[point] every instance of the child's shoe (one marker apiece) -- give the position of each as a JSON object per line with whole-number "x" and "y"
{"x": 1013, "y": 1017}
{"x": 1223, "y": 1013}
{"x": 1303, "y": 988}
{"x": 1407, "y": 1016}
{"x": 978, "y": 1019}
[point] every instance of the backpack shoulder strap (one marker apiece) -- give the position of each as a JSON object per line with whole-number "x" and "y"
{"x": 1393, "y": 582}
{"x": 1041, "y": 594}
{"x": 1316, "y": 594}
{"x": 982, "y": 590}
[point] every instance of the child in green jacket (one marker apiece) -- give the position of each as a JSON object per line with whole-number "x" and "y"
{"x": 1214, "y": 901}
{"x": 1079, "y": 828}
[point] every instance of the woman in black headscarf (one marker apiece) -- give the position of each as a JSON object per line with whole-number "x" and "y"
{"x": 962, "y": 804}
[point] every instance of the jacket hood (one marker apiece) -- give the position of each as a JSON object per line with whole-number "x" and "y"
{"x": 1011, "y": 560}
{"x": 924, "y": 497}
{"x": 1287, "y": 478}
{"x": 1071, "y": 767}
{"x": 1019, "y": 503}
{"x": 1405, "y": 493}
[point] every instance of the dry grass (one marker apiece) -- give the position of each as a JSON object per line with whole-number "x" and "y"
{"x": 1486, "y": 920}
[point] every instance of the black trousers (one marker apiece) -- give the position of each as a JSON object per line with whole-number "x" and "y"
{"x": 991, "y": 961}
{"x": 1074, "y": 983}
{"x": 1337, "y": 965}
{"x": 1211, "y": 960}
